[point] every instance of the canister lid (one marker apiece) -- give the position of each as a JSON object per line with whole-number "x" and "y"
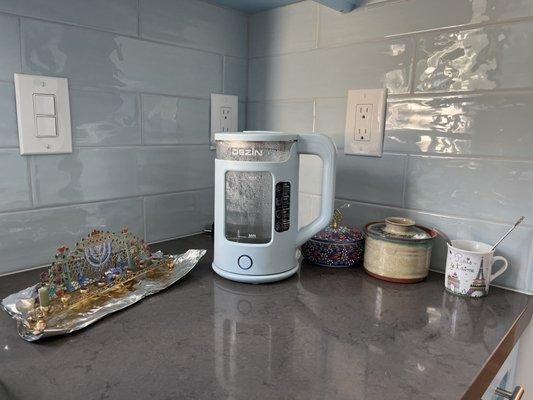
{"x": 398, "y": 228}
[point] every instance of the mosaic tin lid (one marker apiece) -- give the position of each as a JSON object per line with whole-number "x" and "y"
{"x": 398, "y": 229}
{"x": 341, "y": 235}
{"x": 335, "y": 233}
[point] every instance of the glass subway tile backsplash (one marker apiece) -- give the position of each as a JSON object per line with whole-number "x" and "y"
{"x": 139, "y": 94}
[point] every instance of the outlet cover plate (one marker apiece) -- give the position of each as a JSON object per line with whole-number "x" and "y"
{"x": 224, "y": 106}
{"x": 365, "y": 122}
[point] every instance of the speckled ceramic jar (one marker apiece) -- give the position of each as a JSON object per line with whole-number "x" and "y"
{"x": 398, "y": 250}
{"x": 335, "y": 246}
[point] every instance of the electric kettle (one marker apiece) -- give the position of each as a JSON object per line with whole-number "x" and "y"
{"x": 256, "y": 202}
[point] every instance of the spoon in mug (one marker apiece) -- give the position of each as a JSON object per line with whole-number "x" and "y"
{"x": 508, "y": 232}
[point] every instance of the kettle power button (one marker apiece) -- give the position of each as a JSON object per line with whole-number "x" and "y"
{"x": 245, "y": 262}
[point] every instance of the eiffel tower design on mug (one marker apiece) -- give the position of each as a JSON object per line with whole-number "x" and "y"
{"x": 478, "y": 287}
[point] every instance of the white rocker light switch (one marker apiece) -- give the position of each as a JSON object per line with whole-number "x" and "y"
{"x": 43, "y": 114}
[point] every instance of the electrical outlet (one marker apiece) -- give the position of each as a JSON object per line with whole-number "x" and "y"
{"x": 363, "y": 117}
{"x": 226, "y": 119}
{"x": 365, "y": 122}
{"x": 224, "y": 114}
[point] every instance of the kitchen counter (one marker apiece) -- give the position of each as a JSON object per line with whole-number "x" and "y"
{"x": 324, "y": 334}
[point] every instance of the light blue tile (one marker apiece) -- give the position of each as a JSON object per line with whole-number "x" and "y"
{"x": 491, "y": 189}
{"x": 85, "y": 175}
{"x": 331, "y": 72}
{"x": 494, "y": 124}
{"x": 176, "y": 169}
{"x": 236, "y": 77}
{"x": 515, "y": 249}
{"x": 242, "y": 116}
{"x": 14, "y": 188}
{"x": 174, "y": 120}
{"x": 100, "y": 118}
{"x": 394, "y": 18}
{"x": 8, "y": 116}
{"x": 331, "y": 119}
{"x": 97, "y": 59}
{"x": 9, "y": 47}
{"x": 94, "y": 174}
{"x": 173, "y": 215}
{"x": 284, "y": 30}
{"x": 117, "y": 15}
{"x": 28, "y": 238}
{"x": 485, "y": 58}
{"x": 283, "y": 116}
{"x": 371, "y": 179}
{"x": 195, "y": 24}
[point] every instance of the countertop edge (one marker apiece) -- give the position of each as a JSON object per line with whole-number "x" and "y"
{"x": 491, "y": 367}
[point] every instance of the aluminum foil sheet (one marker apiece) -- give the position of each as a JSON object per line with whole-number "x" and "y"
{"x": 100, "y": 306}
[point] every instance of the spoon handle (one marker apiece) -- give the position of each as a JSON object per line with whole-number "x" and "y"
{"x": 508, "y": 232}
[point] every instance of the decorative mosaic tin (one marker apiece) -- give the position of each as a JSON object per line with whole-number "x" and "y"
{"x": 335, "y": 246}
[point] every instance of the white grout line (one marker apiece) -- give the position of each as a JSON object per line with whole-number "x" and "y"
{"x": 198, "y": 233}
{"x": 404, "y": 179}
{"x": 224, "y": 73}
{"x": 317, "y": 25}
{"x": 30, "y": 181}
{"x": 412, "y": 72}
{"x": 141, "y": 116}
{"x": 140, "y": 146}
{"x": 97, "y": 202}
{"x": 437, "y": 214}
{"x": 414, "y": 95}
{"x": 21, "y": 57}
{"x": 314, "y": 116}
{"x": 139, "y": 7}
{"x": 144, "y": 218}
{"x": 149, "y": 243}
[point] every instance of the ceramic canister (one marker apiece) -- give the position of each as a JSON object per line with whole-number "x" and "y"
{"x": 398, "y": 250}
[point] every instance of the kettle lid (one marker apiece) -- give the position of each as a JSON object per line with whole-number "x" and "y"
{"x": 257, "y": 136}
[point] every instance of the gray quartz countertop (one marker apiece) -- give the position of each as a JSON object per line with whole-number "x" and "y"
{"x": 323, "y": 334}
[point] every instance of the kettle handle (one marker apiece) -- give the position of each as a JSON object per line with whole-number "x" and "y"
{"x": 322, "y": 146}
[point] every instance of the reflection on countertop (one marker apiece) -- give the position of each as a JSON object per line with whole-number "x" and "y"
{"x": 325, "y": 333}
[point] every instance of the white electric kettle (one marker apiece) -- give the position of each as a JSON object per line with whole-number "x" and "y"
{"x": 256, "y": 202}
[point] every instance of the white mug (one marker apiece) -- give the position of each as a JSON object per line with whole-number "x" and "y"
{"x": 469, "y": 268}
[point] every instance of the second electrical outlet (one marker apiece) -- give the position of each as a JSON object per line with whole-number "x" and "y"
{"x": 224, "y": 114}
{"x": 365, "y": 122}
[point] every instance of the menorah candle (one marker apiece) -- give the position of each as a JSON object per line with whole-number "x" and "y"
{"x": 44, "y": 299}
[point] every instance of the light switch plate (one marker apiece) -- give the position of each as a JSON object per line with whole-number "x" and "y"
{"x": 224, "y": 114}
{"x": 365, "y": 122}
{"x": 43, "y": 114}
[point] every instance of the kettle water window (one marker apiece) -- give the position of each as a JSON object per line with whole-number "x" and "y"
{"x": 248, "y": 206}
